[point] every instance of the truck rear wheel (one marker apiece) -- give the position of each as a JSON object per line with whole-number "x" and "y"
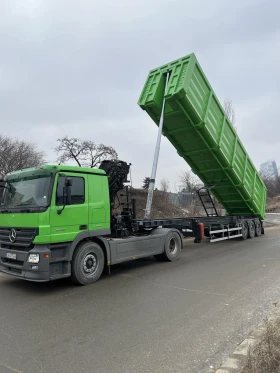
{"x": 252, "y": 229}
{"x": 87, "y": 263}
{"x": 172, "y": 247}
{"x": 258, "y": 228}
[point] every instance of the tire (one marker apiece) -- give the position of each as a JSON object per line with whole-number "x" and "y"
{"x": 258, "y": 228}
{"x": 172, "y": 247}
{"x": 251, "y": 229}
{"x": 244, "y": 230}
{"x": 87, "y": 263}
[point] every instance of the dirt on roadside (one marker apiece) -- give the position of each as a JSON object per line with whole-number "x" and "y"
{"x": 161, "y": 207}
{"x": 273, "y": 204}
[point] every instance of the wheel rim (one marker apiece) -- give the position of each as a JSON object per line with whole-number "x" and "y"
{"x": 90, "y": 264}
{"x": 245, "y": 229}
{"x": 173, "y": 246}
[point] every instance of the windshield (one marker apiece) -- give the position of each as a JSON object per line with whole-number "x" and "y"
{"x": 29, "y": 192}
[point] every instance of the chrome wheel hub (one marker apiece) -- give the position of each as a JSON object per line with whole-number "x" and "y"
{"x": 89, "y": 264}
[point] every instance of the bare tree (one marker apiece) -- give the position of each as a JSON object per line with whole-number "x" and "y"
{"x": 190, "y": 181}
{"x": 272, "y": 185}
{"x": 230, "y": 112}
{"x": 164, "y": 185}
{"x": 17, "y": 154}
{"x": 175, "y": 187}
{"x": 84, "y": 152}
{"x": 192, "y": 184}
{"x": 164, "y": 189}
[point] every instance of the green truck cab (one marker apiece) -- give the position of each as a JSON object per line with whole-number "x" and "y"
{"x": 56, "y": 222}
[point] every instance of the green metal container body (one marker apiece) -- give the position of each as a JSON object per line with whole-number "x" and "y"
{"x": 197, "y": 126}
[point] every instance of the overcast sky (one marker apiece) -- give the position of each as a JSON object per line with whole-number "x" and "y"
{"x": 77, "y": 68}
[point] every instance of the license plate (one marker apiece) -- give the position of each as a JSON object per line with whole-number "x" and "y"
{"x": 11, "y": 256}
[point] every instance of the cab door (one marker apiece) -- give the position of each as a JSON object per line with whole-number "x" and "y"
{"x": 73, "y": 218}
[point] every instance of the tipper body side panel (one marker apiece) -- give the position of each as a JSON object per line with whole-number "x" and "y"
{"x": 198, "y": 127}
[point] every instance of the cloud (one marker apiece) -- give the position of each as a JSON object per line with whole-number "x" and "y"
{"x": 78, "y": 68}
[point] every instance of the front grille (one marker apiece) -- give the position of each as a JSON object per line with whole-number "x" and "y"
{"x": 12, "y": 261}
{"x": 23, "y": 240}
{"x": 14, "y": 270}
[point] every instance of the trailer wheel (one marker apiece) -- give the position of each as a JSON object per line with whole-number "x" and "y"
{"x": 172, "y": 247}
{"x": 258, "y": 228}
{"x": 251, "y": 229}
{"x": 244, "y": 230}
{"x": 87, "y": 263}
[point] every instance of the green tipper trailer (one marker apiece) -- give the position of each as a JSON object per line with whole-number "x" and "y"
{"x": 58, "y": 221}
{"x": 197, "y": 126}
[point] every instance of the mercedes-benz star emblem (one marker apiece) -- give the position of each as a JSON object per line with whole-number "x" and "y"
{"x": 13, "y": 235}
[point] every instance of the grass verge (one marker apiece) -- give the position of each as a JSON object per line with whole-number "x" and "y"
{"x": 265, "y": 356}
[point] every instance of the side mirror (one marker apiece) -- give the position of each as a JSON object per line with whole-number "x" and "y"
{"x": 67, "y": 192}
{"x": 68, "y": 182}
{"x": 67, "y": 195}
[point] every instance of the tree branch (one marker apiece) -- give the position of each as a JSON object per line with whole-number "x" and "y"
{"x": 83, "y": 152}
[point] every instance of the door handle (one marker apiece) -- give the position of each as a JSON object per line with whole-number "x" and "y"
{"x": 82, "y": 227}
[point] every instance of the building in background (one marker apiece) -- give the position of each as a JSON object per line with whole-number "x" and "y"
{"x": 268, "y": 170}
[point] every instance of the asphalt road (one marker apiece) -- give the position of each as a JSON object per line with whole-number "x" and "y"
{"x": 147, "y": 317}
{"x": 272, "y": 218}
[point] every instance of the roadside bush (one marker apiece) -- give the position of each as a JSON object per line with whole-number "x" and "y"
{"x": 265, "y": 357}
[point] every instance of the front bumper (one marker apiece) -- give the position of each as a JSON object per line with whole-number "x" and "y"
{"x": 43, "y": 271}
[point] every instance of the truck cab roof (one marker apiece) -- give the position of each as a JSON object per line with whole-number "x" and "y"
{"x": 49, "y": 169}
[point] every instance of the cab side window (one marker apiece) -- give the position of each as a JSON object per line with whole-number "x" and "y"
{"x": 77, "y": 190}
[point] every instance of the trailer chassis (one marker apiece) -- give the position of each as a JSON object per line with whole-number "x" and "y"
{"x": 217, "y": 228}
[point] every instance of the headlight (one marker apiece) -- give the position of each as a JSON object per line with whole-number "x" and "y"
{"x": 33, "y": 258}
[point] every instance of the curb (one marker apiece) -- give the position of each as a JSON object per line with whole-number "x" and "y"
{"x": 236, "y": 362}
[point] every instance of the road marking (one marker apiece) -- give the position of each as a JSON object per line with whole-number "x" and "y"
{"x": 175, "y": 287}
{"x": 10, "y": 368}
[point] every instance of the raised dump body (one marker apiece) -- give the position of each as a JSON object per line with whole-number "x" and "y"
{"x": 197, "y": 126}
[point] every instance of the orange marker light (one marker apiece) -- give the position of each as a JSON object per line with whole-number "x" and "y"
{"x": 47, "y": 256}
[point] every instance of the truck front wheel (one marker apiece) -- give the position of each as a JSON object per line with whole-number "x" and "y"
{"x": 172, "y": 247}
{"x": 87, "y": 263}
